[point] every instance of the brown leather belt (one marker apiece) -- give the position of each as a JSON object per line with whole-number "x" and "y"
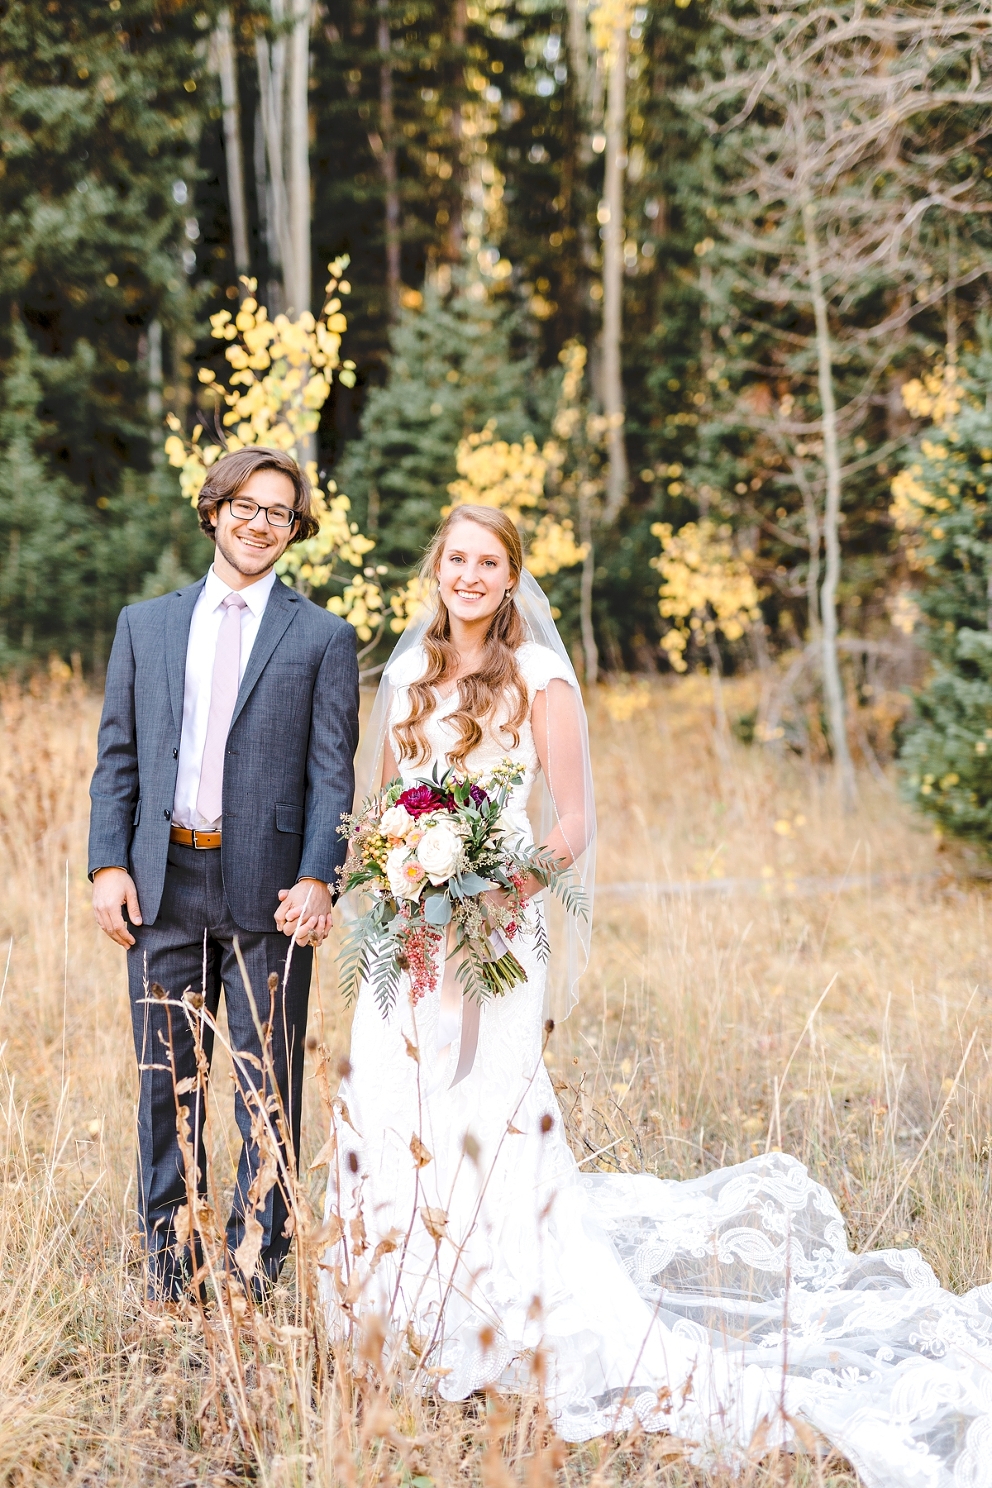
{"x": 187, "y": 838}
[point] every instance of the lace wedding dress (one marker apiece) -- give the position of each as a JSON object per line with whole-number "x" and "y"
{"x": 726, "y": 1310}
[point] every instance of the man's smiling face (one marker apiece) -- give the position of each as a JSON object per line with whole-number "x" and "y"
{"x": 249, "y": 548}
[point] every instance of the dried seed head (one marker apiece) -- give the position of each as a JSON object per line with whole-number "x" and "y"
{"x": 420, "y": 1154}
{"x": 273, "y": 981}
{"x": 546, "y": 1124}
{"x": 157, "y": 990}
{"x": 353, "y": 1162}
{"x": 487, "y": 1337}
{"x": 435, "y": 1222}
{"x": 344, "y": 1068}
{"x": 549, "y": 1027}
{"x": 470, "y": 1147}
{"x": 195, "y": 1000}
{"x": 311, "y": 1041}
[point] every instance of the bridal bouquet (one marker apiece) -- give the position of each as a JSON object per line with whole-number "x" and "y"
{"x": 429, "y": 853}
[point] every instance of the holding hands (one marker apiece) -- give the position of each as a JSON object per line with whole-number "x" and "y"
{"x": 304, "y": 911}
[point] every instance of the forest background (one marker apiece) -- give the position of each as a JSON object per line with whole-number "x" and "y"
{"x": 761, "y": 223}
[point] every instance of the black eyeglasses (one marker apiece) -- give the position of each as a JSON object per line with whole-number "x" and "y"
{"x": 276, "y": 516}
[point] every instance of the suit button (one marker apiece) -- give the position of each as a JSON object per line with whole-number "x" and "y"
{"x": 175, "y": 754}
{"x": 167, "y": 815}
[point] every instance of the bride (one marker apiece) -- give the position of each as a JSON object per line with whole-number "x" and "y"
{"x": 726, "y": 1310}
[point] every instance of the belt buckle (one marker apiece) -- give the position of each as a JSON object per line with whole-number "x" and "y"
{"x": 193, "y": 835}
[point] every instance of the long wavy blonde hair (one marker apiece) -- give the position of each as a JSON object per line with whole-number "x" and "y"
{"x": 497, "y": 678}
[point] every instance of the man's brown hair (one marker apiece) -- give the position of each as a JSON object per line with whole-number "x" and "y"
{"x": 225, "y": 479}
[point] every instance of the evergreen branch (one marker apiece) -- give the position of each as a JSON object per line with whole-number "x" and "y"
{"x": 542, "y": 945}
{"x": 353, "y": 959}
{"x": 559, "y": 880}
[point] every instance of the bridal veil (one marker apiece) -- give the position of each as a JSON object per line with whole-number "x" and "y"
{"x": 562, "y": 738}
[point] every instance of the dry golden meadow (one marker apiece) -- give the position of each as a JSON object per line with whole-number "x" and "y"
{"x": 831, "y": 1018}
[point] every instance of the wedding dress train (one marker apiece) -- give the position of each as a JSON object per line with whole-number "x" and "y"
{"x": 726, "y": 1310}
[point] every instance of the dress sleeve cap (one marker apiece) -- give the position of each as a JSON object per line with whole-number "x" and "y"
{"x": 539, "y": 665}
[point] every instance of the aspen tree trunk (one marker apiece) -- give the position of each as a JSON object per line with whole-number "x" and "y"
{"x": 612, "y": 376}
{"x": 951, "y": 332}
{"x": 721, "y": 728}
{"x": 228, "y": 73}
{"x": 578, "y": 47}
{"x": 263, "y": 194}
{"x": 155, "y": 375}
{"x": 813, "y": 539}
{"x": 297, "y": 272}
{"x": 589, "y": 649}
{"x": 813, "y": 572}
{"x": 284, "y": 88}
{"x": 387, "y": 158}
{"x": 832, "y": 684}
{"x": 455, "y": 234}
{"x": 271, "y": 62}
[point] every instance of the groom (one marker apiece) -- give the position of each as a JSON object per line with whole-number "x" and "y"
{"x": 224, "y": 764}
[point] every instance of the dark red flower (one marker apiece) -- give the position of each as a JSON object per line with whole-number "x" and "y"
{"x": 478, "y": 794}
{"x": 421, "y": 798}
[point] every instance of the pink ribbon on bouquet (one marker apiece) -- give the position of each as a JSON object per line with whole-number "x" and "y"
{"x": 458, "y": 1018}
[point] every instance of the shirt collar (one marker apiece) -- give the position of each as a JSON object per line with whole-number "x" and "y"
{"x": 256, "y": 596}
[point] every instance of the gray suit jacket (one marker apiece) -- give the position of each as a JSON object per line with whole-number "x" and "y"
{"x": 288, "y": 770}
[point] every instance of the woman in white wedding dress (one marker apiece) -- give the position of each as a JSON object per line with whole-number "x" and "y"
{"x": 726, "y": 1310}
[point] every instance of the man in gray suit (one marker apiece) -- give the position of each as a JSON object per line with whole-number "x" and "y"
{"x": 225, "y": 762}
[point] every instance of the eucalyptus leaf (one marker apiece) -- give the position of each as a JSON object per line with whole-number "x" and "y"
{"x": 471, "y": 884}
{"x": 437, "y": 909}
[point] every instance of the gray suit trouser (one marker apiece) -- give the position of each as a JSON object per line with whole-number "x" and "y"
{"x": 191, "y": 946}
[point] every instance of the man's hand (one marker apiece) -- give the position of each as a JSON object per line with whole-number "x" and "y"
{"x": 305, "y": 911}
{"x": 112, "y": 887}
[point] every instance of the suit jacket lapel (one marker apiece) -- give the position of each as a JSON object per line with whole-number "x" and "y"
{"x": 176, "y": 642}
{"x": 278, "y": 615}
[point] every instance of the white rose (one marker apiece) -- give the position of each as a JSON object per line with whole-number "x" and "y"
{"x": 438, "y": 851}
{"x": 396, "y": 822}
{"x": 406, "y": 876}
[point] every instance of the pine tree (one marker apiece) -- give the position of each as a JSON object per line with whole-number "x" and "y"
{"x": 67, "y": 565}
{"x": 941, "y": 503}
{"x": 46, "y": 536}
{"x": 100, "y": 116}
{"x": 454, "y": 365}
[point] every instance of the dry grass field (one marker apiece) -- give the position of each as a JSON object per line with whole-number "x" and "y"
{"x": 821, "y": 999}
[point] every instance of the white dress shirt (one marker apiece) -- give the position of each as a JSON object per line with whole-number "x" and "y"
{"x": 203, "y": 632}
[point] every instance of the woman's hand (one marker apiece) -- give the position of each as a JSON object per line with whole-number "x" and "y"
{"x": 498, "y": 897}
{"x": 504, "y": 900}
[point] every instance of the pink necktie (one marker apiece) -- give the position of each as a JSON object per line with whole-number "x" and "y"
{"x": 223, "y": 695}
